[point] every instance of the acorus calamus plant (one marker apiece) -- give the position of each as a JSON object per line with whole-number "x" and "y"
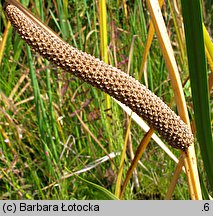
{"x": 103, "y": 76}
{"x": 126, "y": 89}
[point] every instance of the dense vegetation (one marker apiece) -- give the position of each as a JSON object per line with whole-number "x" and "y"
{"x": 52, "y": 125}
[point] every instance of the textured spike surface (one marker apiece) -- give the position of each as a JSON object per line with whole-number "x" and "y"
{"x": 105, "y": 77}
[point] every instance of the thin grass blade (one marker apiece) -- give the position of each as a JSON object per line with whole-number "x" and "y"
{"x": 198, "y": 75}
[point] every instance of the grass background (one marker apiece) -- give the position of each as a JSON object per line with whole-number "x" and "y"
{"x": 44, "y": 111}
